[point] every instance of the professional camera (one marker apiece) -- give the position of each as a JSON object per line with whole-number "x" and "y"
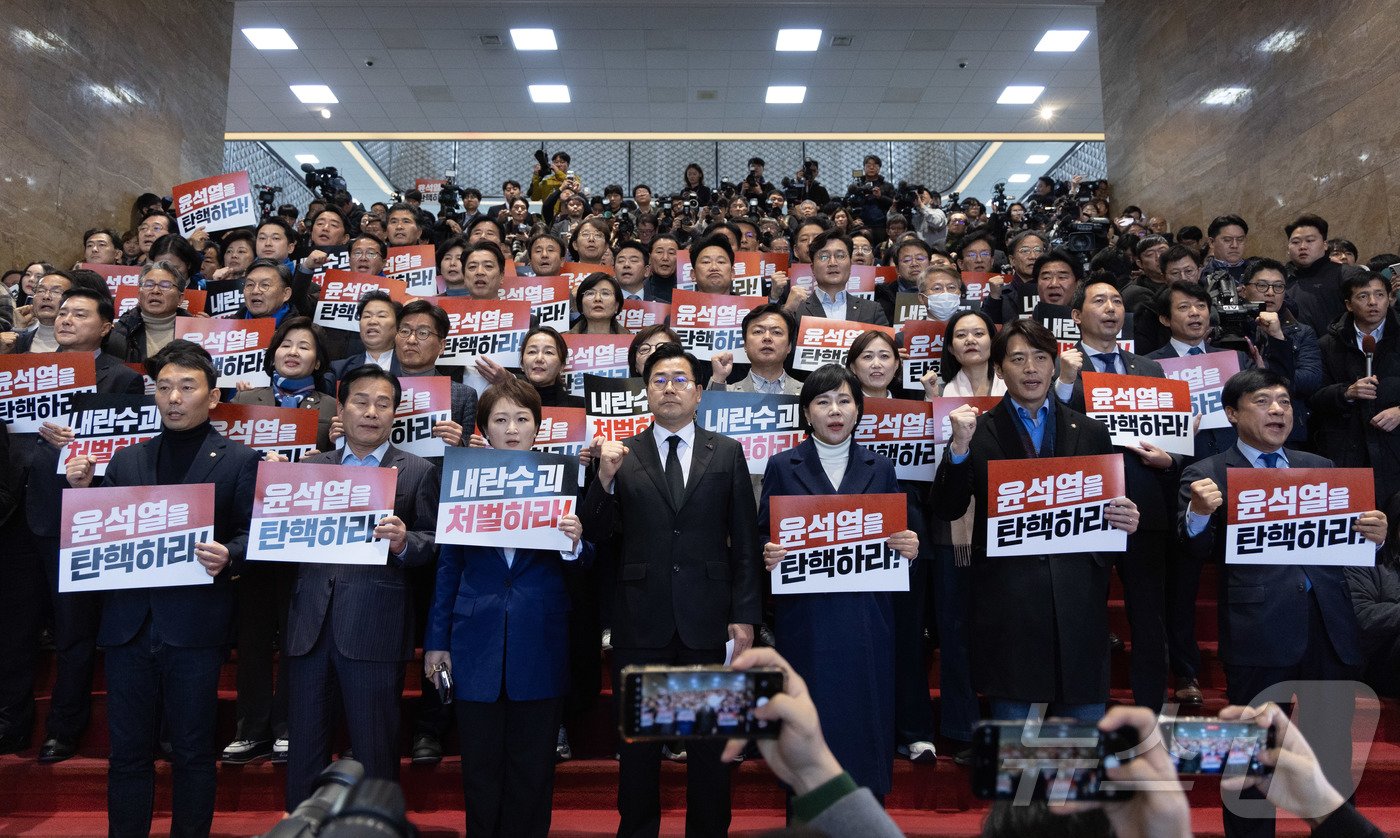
{"x": 1081, "y": 238}
{"x": 345, "y": 805}
{"x": 1236, "y": 316}
{"x": 727, "y": 190}
{"x": 324, "y": 182}
{"x": 906, "y": 197}
{"x": 542, "y": 160}
{"x": 952, "y": 202}
{"x": 267, "y": 198}
{"x": 449, "y": 197}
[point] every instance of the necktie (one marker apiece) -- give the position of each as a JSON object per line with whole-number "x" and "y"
{"x": 1271, "y": 459}
{"x": 1195, "y": 350}
{"x": 1108, "y": 361}
{"x": 675, "y": 477}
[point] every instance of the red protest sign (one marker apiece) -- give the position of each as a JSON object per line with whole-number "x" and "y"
{"x": 1206, "y": 376}
{"x": 1141, "y": 408}
{"x": 429, "y": 188}
{"x": 493, "y": 328}
{"x": 1298, "y": 516}
{"x": 426, "y": 401}
{"x": 903, "y": 430}
{"x": 577, "y": 272}
{"x": 923, "y": 340}
{"x": 821, "y": 340}
{"x": 116, "y": 276}
{"x": 416, "y": 266}
{"x": 341, "y": 291}
{"x": 221, "y": 202}
{"x": 604, "y": 355}
{"x": 639, "y": 314}
{"x": 1034, "y": 502}
{"x": 39, "y": 387}
{"x": 113, "y": 538}
{"x": 320, "y": 513}
{"x": 710, "y": 323}
{"x": 548, "y": 297}
{"x": 837, "y": 543}
{"x": 238, "y": 346}
{"x": 977, "y": 283}
{"x": 289, "y": 431}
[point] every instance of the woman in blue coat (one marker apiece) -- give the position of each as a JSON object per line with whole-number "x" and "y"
{"x": 842, "y": 644}
{"x": 500, "y": 625}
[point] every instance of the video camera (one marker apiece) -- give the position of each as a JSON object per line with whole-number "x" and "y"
{"x": 449, "y": 196}
{"x": 906, "y": 197}
{"x": 267, "y": 198}
{"x": 345, "y": 805}
{"x": 325, "y": 182}
{"x": 1236, "y": 316}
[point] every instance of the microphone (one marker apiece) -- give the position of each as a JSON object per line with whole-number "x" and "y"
{"x": 1368, "y": 345}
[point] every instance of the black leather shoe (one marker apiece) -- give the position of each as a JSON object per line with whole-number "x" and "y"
{"x": 1116, "y": 643}
{"x": 56, "y": 750}
{"x": 427, "y": 750}
{"x": 13, "y": 744}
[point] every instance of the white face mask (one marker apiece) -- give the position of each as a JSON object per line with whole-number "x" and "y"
{"x": 942, "y": 306}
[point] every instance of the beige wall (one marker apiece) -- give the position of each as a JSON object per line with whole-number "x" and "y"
{"x": 1320, "y": 131}
{"x": 99, "y": 102}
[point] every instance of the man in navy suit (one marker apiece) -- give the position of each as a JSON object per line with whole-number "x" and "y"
{"x": 1278, "y": 623}
{"x": 688, "y": 579}
{"x": 164, "y": 646}
{"x": 352, "y": 625}
{"x": 378, "y": 317}
{"x": 1150, "y": 474}
{"x": 831, "y": 270}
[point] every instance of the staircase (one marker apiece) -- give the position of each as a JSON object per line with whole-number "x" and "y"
{"x": 69, "y": 799}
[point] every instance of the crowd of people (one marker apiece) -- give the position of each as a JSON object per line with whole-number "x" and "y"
{"x": 671, "y": 539}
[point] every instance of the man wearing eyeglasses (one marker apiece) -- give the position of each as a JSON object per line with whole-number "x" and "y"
{"x": 48, "y": 291}
{"x": 910, "y": 260}
{"x": 977, "y": 253}
{"x": 831, "y": 271}
{"x": 679, "y": 502}
{"x": 267, "y": 291}
{"x": 1017, "y": 289}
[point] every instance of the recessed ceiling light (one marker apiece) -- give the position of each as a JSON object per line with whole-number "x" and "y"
{"x": 533, "y": 39}
{"x": 325, "y": 113}
{"x": 1018, "y": 178}
{"x": 308, "y": 158}
{"x": 1225, "y": 96}
{"x": 786, "y": 94}
{"x": 269, "y": 38}
{"x": 798, "y": 40}
{"x": 1061, "y": 40}
{"x": 1020, "y": 94}
{"x": 552, "y": 94}
{"x": 1037, "y": 159}
{"x": 314, "y": 94}
{"x": 1047, "y": 112}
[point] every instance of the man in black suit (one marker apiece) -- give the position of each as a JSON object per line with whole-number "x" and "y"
{"x": 831, "y": 270}
{"x": 1150, "y": 472}
{"x": 164, "y": 646}
{"x": 1184, "y": 308}
{"x": 1039, "y": 623}
{"x": 350, "y": 627}
{"x": 690, "y": 574}
{"x": 1278, "y": 623}
{"x": 83, "y": 322}
{"x": 378, "y": 318}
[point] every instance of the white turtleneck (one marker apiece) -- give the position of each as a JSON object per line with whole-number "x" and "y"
{"x": 159, "y": 332}
{"x": 44, "y": 340}
{"x": 834, "y": 459}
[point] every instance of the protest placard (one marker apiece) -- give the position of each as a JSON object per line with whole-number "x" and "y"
{"x": 1206, "y": 376}
{"x": 548, "y": 297}
{"x": 506, "y": 498}
{"x": 113, "y": 538}
{"x": 940, "y": 408}
{"x": 708, "y": 324}
{"x": 1053, "y": 505}
{"x": 838, "y": 543}
{"x": 416, "y": 266}
{"x": 320, "y": 513}
{"x": 923, "y": 340}
{"x": 603, "y": 355}
{"x": 903, "y": 430}
{"x": 1298, "y": 516}
{"x": 289, "y": 431}
{"x": 105, "y": 423}
{"x": 764, "y": 424}
{"x": 493, "y": 329}
{"x": 39, "y": 387}
{"x": 221, "y": 202}
{"x": 338, "y": 307}
{"x": 638, "y": 314}
{"x": 617, "y": 407}
{"x": 1141, "y": 408}
{"x": 822, "y": 341}
{"x": 238, "y": 347}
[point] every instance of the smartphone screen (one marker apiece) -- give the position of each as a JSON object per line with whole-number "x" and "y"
{"x": 710, "y": 702}
{"x": 1057, "y": 761}
{"x": 1210, "y": 746}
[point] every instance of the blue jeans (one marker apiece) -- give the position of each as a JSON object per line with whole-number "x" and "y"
{"x": 147, "y": 678}
{"x": 1009, "y": 710}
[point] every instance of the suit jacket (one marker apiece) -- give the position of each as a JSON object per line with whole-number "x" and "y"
{"x": 190, "y": 615}
{"x": 691, "y": 570}
{"x": 323, "y": 403}
{"x": 370, "y": 606}
{"x": 43, "y": 493}
{"x": 858, "y": 310}
{"x": 1038, "y": 622}
{"x": 1150, "y": 488}
{"x": 1264, "y": 609}
{"x": 503, "y": 624}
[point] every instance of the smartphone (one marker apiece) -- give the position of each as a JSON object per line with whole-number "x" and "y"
{"x": 1204, "y": 745}
{"x": 1058, "y": 760}
{"x": 696, "y": 702}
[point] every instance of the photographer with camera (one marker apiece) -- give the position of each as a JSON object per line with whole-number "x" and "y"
{"x": 803, "y": 186}
{"x": 926, "y": 211}
{"x": 1280, "y": 334}
{"x": 542, "y": 183}
{"x": 871, "y": 196}
{"x": 753, "y": 185}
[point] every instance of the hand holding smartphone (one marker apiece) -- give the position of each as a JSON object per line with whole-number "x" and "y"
{"x": 697, "y": 702}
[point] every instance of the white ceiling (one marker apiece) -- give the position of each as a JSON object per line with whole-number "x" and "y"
{"x": 642, "y": 67}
